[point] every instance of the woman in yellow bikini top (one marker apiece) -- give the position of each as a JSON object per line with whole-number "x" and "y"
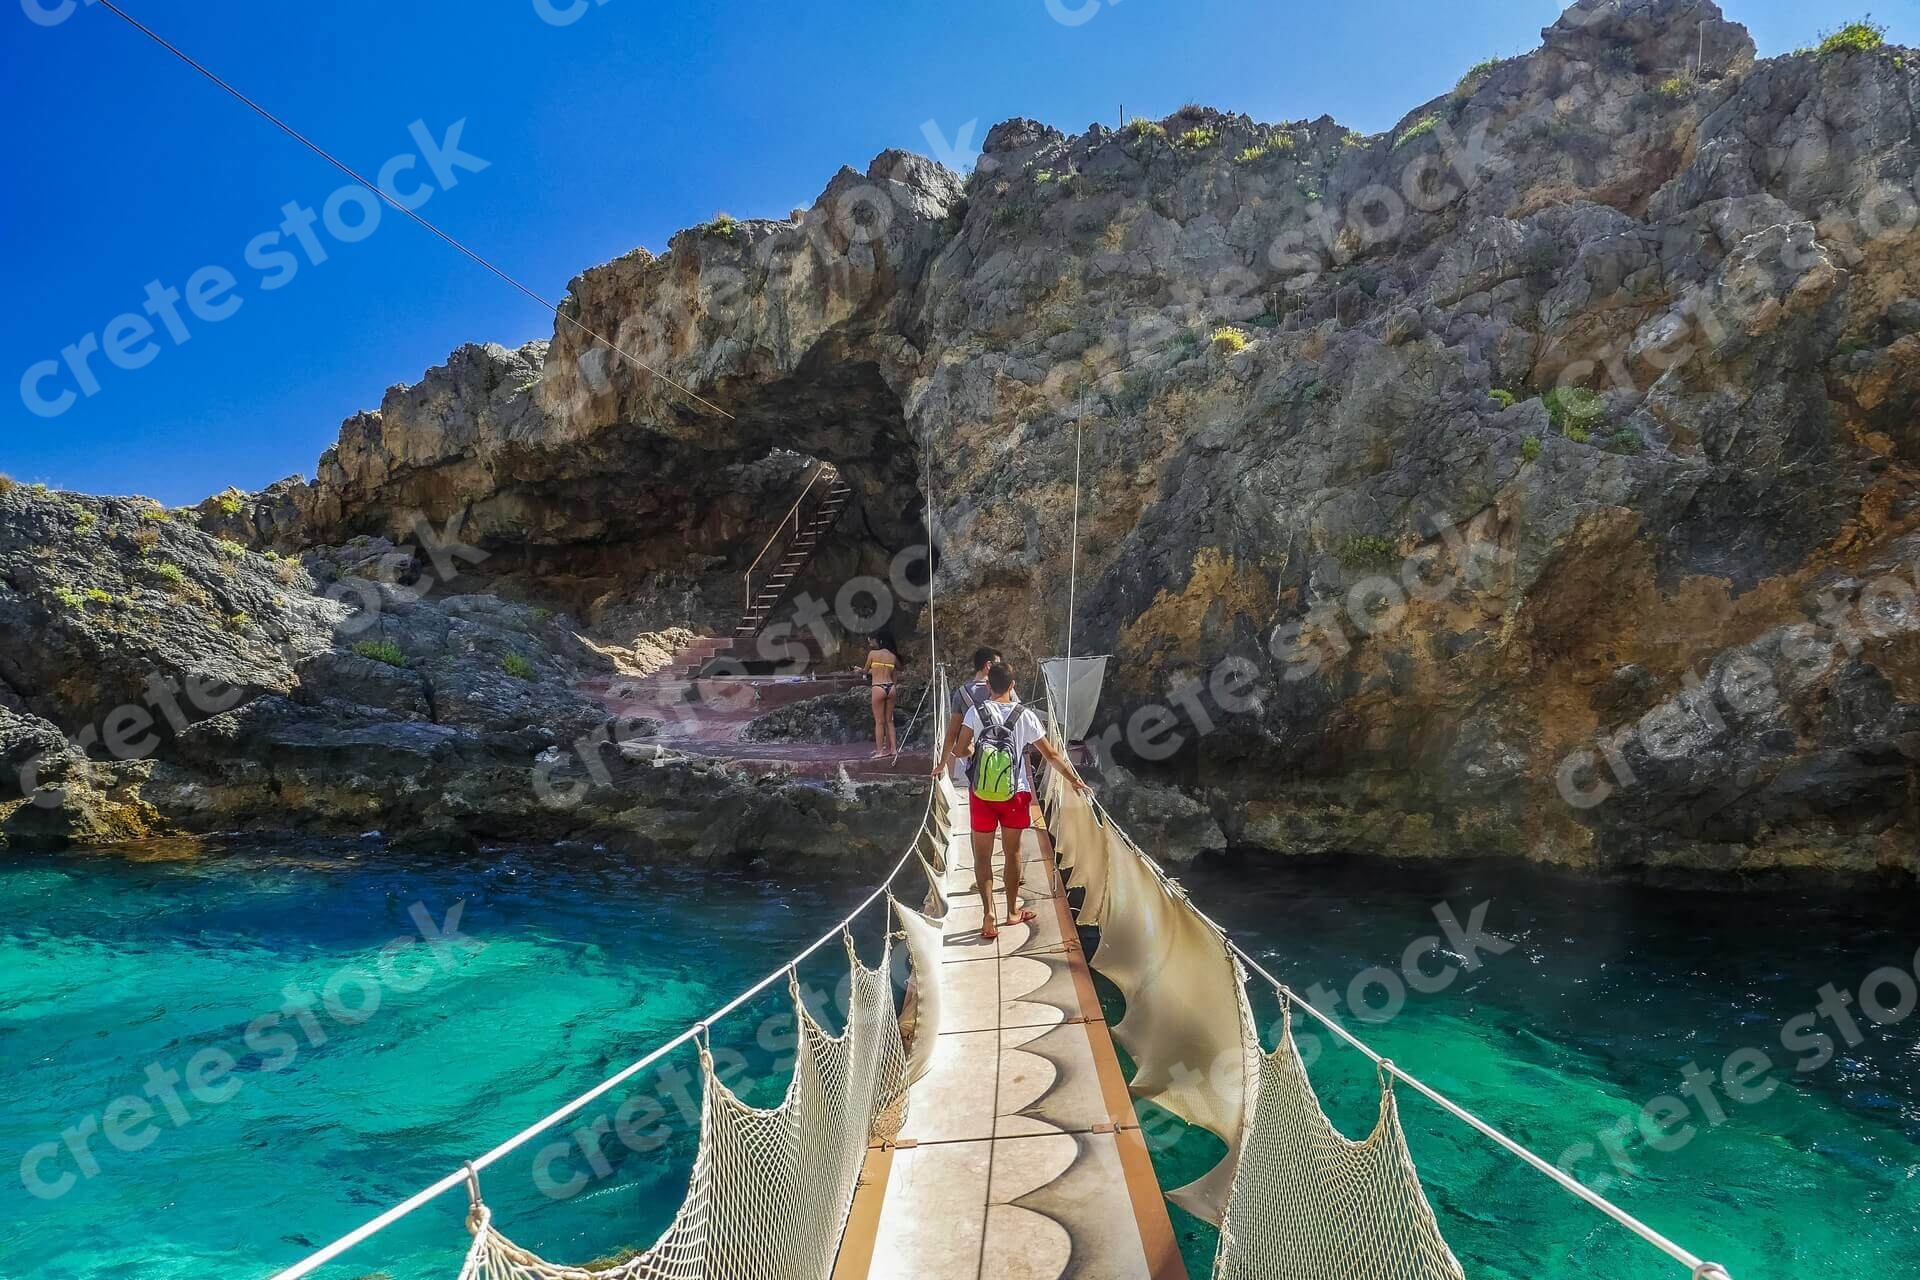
{"x": 882, "y": 659}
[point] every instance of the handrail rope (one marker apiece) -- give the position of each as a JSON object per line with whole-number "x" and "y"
{"x": 458, "y": 1177}
{"x": 1073, "y": 552}
{"x": 933, "y": 631}
{"x": 913, "y": 721}
{"x": 815, "y": 472}
{"x": 467, "y": 1174}
{"x": 347, "y": 169}
{"x": 1702, "y": 1270}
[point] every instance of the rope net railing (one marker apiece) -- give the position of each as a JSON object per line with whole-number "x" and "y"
{"x": 764, "y": 1182}
{"x": 771, "y": 1189}
{"x": 1293, "y": 1197}
{"x": 1308, "y": 1202}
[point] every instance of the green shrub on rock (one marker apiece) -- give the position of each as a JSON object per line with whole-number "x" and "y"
{"x": 1674, "y": 89}
{"x": 1475, "y": 71}
{"x": 1571, "y": 408}
{"x": 1863, "y": 36}
{"x": 1418, "y": 131}
{"x": 1368, "y": 551}
{"x": 1228, "y": 339}
{"x": 517, "y": 666}
{"x": 381, "y": 651}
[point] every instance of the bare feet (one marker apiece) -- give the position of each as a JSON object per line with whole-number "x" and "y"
{"x": 989, "y": 931}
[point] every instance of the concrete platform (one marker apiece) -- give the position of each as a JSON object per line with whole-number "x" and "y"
{"x": 1021, "y": 1158}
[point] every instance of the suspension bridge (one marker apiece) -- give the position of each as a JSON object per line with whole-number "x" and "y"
{"x": 981, "y": 1126}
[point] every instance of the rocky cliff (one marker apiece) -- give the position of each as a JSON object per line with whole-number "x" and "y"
{"x": 1536, "y": 478}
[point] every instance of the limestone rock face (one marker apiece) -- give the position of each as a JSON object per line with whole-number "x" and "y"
{"x": 1474, "y": 447}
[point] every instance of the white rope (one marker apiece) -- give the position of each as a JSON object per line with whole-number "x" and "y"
{"x": 933, "y": 631}
{"x": 914, "y": 720}
{"x": 1073, "y": 551}
{"x": 461, "y": 1176}
{"x": 458, "y": 1177}
{"x": 1701, "y": 1270}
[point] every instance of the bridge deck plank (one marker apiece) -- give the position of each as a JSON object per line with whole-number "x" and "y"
{"x": 1021, "y": 1158}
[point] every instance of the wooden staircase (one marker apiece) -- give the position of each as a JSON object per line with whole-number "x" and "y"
{"x": 790, "y": 548}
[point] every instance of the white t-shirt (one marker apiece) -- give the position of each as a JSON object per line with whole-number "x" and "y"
{"x": 1027, "y": 730}
{"x": 970, "y": 694}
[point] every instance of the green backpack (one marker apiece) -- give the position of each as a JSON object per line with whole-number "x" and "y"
{"x": 995, "y": 762}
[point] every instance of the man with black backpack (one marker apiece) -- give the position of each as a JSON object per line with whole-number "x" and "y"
{"x": 994, "y": 738}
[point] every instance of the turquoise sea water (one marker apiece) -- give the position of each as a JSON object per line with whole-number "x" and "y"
{"x": 107, "y": 966}
{"x": 1608, "y": 994}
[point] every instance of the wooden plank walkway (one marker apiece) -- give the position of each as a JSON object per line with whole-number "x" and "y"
{"x": 1021, "y": 1158}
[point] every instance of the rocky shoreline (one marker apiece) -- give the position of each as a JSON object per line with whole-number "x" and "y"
{"x": 1539, "y": 479}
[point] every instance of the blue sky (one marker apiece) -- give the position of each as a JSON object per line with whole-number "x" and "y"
{"x": 635, "y": 119}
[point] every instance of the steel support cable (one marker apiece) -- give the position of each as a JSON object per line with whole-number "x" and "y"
{"x": 347, "y": 169}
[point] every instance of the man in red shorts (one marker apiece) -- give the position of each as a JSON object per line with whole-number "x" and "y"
{"x": 994, "y": 739}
